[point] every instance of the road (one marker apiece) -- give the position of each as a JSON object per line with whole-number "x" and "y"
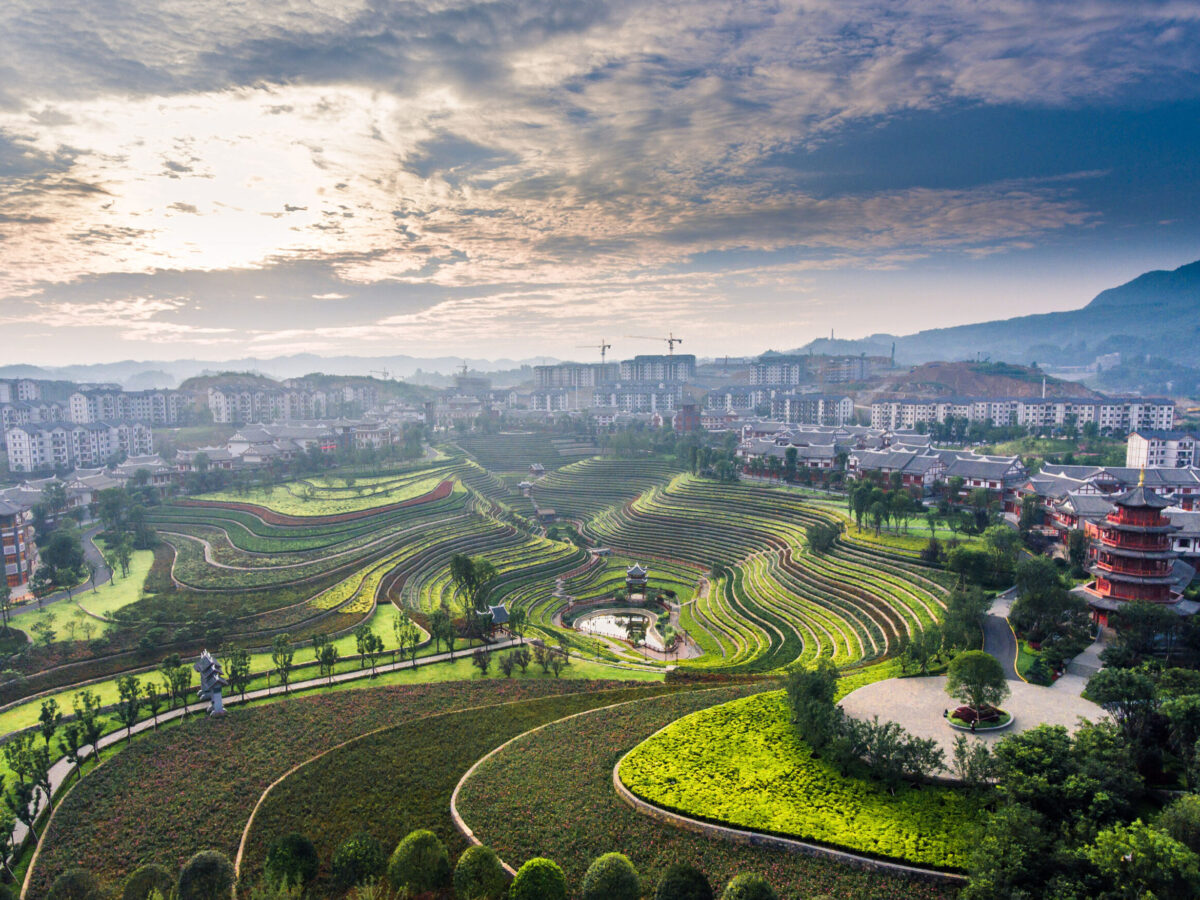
{"x": 92, "y": 554}
{"x": 998, "y": 638}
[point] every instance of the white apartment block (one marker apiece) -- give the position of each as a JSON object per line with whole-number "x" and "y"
{"x": 244, "y": 405}
{"x": 34, "y": 448}
{"x": 681, "y": 367}
{"x": 155, "y": 407}
{"x": 1150, "y": 449}
{"x": 1114, "y": 415}
{"x": 638, "y": 398}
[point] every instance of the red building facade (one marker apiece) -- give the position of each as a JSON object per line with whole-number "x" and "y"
{"x": 1133, "y": 555}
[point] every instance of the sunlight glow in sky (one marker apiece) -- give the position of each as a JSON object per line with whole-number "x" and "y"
{"x": 517, "y": 178}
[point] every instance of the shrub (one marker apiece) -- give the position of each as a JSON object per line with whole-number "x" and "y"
{"x": 419, "y": 863}
{"x": 292, "y": 859}
{"x": 149, "y": 878}
{"x": 683, "y": 882}
{"x": 75, "y": 884}
{"x": 479, "y": 875}
{"x": 357, "y": 859}
{"x": 539, "y": 879}
{"x": 206, "y": 876}
{"x": 749, "y": 887}
{"x": 611, "y": 877}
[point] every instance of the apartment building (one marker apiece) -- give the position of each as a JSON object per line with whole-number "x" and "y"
{"x": 645, "y": 368}
{"x": 231, "y": 405}
{"x": 639, "y": 397}
{"x": 155, "y": 407}
{"x": 17, "y": 551}
{"x": 32, "y": 412}
{"x": 1169, "y": 449}
{"x": 574, "y": 375}
{"x": 64, "y": 445}
{"x": 813, "y": 409}
{"x": 23, "y": 390}
{"x": 784, "y": 370}
{"x": 1112, "y": 415}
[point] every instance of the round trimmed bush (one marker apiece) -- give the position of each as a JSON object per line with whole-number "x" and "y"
{"x": 292, "y": 859}
{"x": 539, "y": 879}
{"x": 146, "y": 879}
{"x": 683, "y": 882}
{"x": 207, "y": 876}
{"x": 419, "y": 863}
{"x": 749, "y": 887}
{"x": 611, "y": 877}
{"x": 75, "y": 884}
{"x": 357, "y": 859}
{"x": 479, "y": 875}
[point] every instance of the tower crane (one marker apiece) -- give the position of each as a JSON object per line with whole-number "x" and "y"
{"x": 670, "y": 339}
{"x": 382, "y": 373}
{"x": 605, "y": 346}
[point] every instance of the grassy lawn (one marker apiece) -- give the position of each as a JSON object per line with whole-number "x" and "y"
{"x": 119, "y": 592}
{"x": 1025, "y": 658}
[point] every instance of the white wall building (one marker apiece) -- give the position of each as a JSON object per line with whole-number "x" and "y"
{"x": 1153, "y": 449}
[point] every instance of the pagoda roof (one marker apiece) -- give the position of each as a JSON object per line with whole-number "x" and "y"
{"x": 636, "y": 571}
{"x": 1141, "y": 496}
{"x": 499, "y": 614}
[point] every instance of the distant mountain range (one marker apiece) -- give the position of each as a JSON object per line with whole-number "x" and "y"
{"x": 1157, "y": 314}
{"x": 137, "y": 375}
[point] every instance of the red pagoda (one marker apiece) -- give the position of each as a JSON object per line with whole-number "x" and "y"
{"x": 1133, "y": 556}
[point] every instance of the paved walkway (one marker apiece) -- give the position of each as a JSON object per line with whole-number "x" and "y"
{"x": 918, "y": 703}
{"x": 62, "y": 769}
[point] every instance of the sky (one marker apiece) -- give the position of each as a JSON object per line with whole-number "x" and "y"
{"x": 519, "y": 179}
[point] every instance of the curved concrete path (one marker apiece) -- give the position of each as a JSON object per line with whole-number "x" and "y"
{"x": 92, "y": 554}
{"x": 998, "y": 637}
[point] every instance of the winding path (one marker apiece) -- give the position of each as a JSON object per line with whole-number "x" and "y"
{"x": 92, "y": 554}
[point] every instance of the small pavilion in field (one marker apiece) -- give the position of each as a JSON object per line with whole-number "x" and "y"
{"x": 636, "y": 579}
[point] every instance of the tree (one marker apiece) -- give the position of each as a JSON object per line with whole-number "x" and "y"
{"x": 924, "y": 647}
{"x": 522, "y": 658}
{"x": 181, "y": 681}
{"x": 328, "y": 661}
{"x": 282, "y": 654}
{"x": 963, "y": 621}
{"x": 972, "y": 762}
{"x": 408, "y": 635}
{"x": 87, "y": 714}
{"x": 977, "y": 679}
{"x": 971, "y": 566}
{"x": 43, "y": 629}
{"x": 48, "y": 719}
{"x": 820, "y": 537}
{"x": 518, "y": 619}
{"x": 1139, "y": 861}
{"x": 539, "y": 879}
{"x": 611, "y": 877}
{"x": 683, "y": 882}
{"x": 319, "y": 641}
{"x": 481, "y": 660}
{"x": 419, "y": 863}
{"x": 479, "y": 875}
{"x": 811, "y": 695}
{"x": 1009, "y": 855}
{"x": 439, "y": 621}
{"x": 71, "y": 741}
{"x": 1003, "y": 544}
{"x": 129, "y": 705}
{"x": 1127, "y": 695}
{"x": 6, "y": 602}
{"x": 360, "y": 643}
{"x": 148, "y": 879}
{"x": 1032, "y": 514}
{"x": 206, "y": 876}
{"x": 237, "y": 670}
{"x": 152, "y": 699}
{"x": 292, "y": 859}
{"x": 358, "y": 859}
{"x": 558, "y": 662}
{"x": 508, "y": 662}
{"x": 1043, "y": 603}
{"x": 374, "y": 647}
{"x": 879, "y": 515}
{"x": 1077, "y": 548}
{"x": 749, "y": 886}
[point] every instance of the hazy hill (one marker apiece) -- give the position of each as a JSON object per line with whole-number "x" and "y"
{"x": 1157, "y": 313}
{"x": 968, "y": 379}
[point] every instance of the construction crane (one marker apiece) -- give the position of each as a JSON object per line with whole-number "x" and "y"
{"x": 605, "y": 346}
{"x": 670, "y": 339}
{"x": 382, "y": 373}
{"x": 464, "y": 368}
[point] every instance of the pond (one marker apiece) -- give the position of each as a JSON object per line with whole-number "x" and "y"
{"x": 611, "y": 624}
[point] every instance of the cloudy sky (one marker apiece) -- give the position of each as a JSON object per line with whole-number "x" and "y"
{"x": 261, "y": 177}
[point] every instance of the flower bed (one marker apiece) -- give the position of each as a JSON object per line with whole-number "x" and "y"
{"x": 551, "y": 793}
{"x": 192, "y": 787}
{"x": 743, "y": 765}
{"x": 411, "y": 770}
{"x": 324, "y": 512}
